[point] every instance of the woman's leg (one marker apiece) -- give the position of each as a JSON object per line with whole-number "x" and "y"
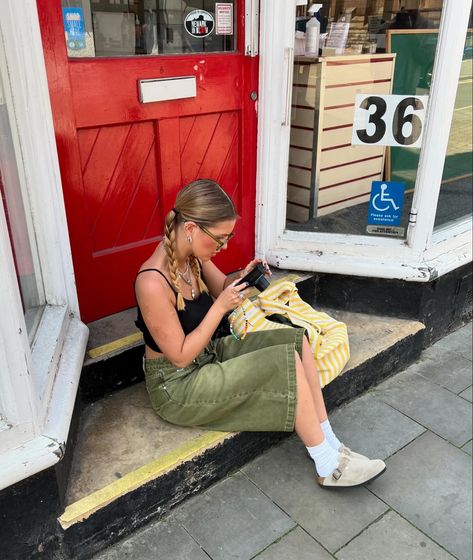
{"x": 313, "y": 379}
{"x": 308, "y": 428}
{"x": 312, "y": 376}
{"x": 307, "y": 421}
{"x": 321, "y": 443}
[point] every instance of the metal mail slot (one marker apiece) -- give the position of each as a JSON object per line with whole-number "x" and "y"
{"x": 167, "y": 89}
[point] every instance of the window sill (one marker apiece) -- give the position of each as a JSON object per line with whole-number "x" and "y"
{"x": 48, "y": 448}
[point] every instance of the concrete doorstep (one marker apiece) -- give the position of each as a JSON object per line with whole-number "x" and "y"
{"x": 130, "y": 467}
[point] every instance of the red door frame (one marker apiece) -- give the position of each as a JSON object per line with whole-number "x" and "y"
{"x": 64, "y": 103}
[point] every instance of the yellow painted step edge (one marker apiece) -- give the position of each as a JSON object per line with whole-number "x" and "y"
{"x": 114, "y": 346}
{"x": 83, "y": 508}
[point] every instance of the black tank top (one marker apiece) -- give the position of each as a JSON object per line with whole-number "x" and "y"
{"x": 190, "y": 317}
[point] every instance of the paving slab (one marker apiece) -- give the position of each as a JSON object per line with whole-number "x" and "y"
{"x": 468, "y": 448}
{"x": 233, "y": 520}
{"x": 296, "y": 545}
{"x": 445, "y": 368}
{"x": 287, "y": 476}
{"x": 436, "y": 408}
{"x": 467, "y": 394}
{"x": 165, "y": 539}
{"x": 392, "y": 538}
{"x": 459, "y": 341}
{"x": 429, "y": 483}
{"x": 371, "y": 427}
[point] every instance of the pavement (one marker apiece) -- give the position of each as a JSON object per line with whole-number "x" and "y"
{"x": 419, "y": 421}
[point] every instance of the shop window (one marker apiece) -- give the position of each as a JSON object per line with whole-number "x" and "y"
{"x": 148, "y": 27}
{"x": 29, "y": 282}
{"x": 375, "y": 48}
{"x": 456, "y": 196}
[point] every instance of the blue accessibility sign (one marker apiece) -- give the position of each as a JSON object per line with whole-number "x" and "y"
{"x": 386, "y": 203}
{"x": 74, "y": 26}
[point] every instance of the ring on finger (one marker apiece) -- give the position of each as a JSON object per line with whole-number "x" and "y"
{"x": 241, "y": 296}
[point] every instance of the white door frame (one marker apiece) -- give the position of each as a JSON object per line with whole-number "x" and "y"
{"x": 424, "y": 255}
{"x": 39, "y": 380}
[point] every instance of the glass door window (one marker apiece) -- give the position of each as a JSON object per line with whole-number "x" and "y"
{"x": 374, "y": 48}
{"x": 108, "y": 28}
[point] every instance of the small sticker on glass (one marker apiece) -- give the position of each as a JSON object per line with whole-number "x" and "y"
{"x": 224, "y": 18}
{"x": 74, "y": 27}
{"x": 199, "y": 23}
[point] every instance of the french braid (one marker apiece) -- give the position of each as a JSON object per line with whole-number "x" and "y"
{"x": 195, "y": 267}
{"x": 170, "y": 248}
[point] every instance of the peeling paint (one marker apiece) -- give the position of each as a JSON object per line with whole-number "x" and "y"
{"x": 61, "y": 451}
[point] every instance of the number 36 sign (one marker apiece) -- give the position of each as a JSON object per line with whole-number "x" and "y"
{"x": 389, "y": 120}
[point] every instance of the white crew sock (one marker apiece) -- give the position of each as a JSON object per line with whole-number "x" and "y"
{"x": 325, "y": 458}
{"x": 330, "y": 436}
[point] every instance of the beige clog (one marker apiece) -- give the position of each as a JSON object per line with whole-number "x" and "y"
{"x": 352, "y": 471}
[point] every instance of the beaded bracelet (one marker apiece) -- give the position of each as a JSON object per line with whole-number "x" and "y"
{"x": 245, "y": 328}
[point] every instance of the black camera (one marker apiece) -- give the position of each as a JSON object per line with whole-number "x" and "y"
{"x": 256, "y": 278}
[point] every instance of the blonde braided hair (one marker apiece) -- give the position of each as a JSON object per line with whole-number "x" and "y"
{"x": 203, "y": 202}
{"x": 170, "y": 248}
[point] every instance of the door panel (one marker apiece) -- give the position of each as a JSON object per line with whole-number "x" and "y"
{"x": 122, "y": 161}
{"x": 219, "y": 80}
{"x": 120, "y": 178}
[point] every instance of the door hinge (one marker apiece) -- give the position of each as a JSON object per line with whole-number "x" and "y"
{"x": 251, "y": 27}
{"x": 413, "y": 217}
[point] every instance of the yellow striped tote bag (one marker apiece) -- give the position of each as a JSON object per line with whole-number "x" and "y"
{"x": 328, "y": 338}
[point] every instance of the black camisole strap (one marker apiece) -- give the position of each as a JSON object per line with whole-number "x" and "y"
{"x": 159, "y": 272}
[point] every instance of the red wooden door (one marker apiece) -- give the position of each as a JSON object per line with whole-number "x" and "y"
{"x": 122, "y": 161}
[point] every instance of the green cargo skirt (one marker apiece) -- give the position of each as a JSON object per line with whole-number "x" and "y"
{"x": 233, "y": 385}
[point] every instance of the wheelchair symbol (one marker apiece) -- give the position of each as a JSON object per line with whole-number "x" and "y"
{"x": 381, "y": 197}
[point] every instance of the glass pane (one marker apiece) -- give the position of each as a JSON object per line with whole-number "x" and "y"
{"x": 456, "y": 193}
{"x": 374, "y": 48}
{"x": 148, "y": 27}
{"x": 17, "y": 226}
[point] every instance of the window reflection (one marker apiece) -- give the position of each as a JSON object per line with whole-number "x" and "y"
{"x": 456, "y": 192}
{"x": 11, "y": 199}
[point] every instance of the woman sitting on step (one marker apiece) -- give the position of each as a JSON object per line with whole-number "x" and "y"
{"x": 266, "y": 381}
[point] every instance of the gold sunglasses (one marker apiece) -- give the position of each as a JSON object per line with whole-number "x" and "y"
{"x": 220, "y": 243}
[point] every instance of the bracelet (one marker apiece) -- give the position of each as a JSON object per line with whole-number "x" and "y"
{"x": 245, "y": 328}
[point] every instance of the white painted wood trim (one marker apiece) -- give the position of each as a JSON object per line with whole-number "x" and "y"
{"x": 372, "y": 267}
{"x": 48, "y": 448}
{"x": 277, "y": 22}
{"x": 449, "y": 231}
{"x": 17, "y": 402}
{"x": 46, "y": 352}
{"x": 446, "y": 73}
{"x": 36, "y": 148}
{"x": 38, "y": 385}
{"x": 375, "y": 256}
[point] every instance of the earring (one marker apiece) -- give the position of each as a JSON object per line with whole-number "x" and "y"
{"x": 189, "y": 239}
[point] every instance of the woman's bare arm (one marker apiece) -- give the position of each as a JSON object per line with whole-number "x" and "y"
{"x": 157, "y": 303}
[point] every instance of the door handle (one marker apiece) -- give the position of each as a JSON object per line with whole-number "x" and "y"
{"x": 289, "y": 66}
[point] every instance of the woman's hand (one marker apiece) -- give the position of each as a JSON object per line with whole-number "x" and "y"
{"x": 232, "y": 296}
{"x": 251, "y": 265}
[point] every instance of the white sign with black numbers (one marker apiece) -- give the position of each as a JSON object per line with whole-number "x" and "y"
{"x": 389, "y": 120}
